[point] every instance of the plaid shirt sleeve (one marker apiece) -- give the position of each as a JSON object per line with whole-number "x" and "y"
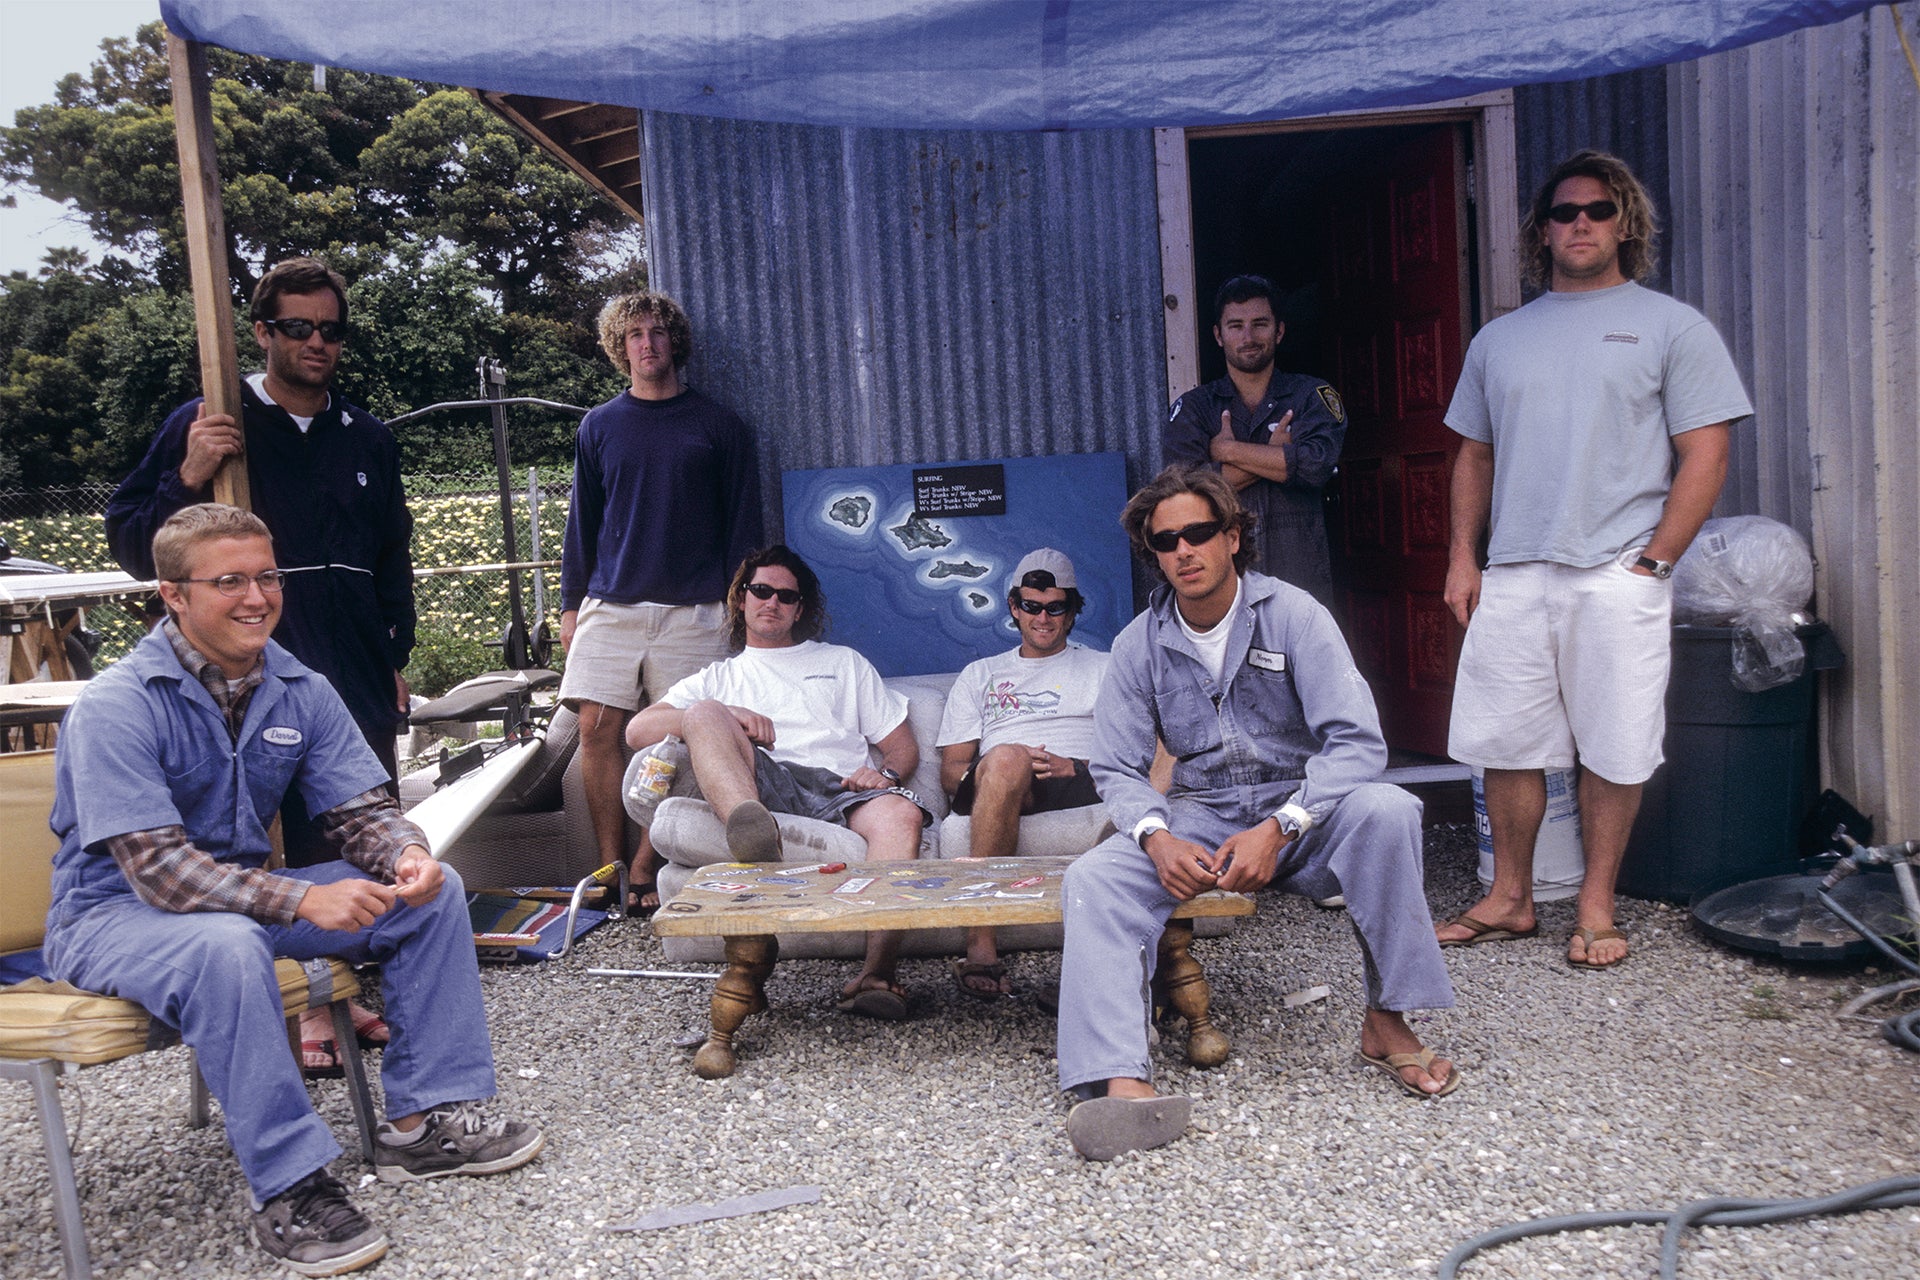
{"x": 370, "y": 831}
{"x": 168, "y": 872}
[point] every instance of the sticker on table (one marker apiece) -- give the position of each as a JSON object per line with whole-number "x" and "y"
{"x": 723, "y": 886}
{"x": 1027, "y": 883}
{"x": 853, "y": 886}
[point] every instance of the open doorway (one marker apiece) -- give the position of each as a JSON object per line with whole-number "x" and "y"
{"x": 1365, "y": 233}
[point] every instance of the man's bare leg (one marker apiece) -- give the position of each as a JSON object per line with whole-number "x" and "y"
{"x": 721, "y": 755}
{"x": 890, "y": 824}
{"x": 1516, "y": 806}
{"x": 602, "y": 763}
{"x": 1607, "y": 811}
{"x": 1002, "y": 789}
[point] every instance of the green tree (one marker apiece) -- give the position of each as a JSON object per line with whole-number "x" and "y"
{"x": 459, "y": 238}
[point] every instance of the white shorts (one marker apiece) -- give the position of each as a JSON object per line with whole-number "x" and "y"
{"x": 1562, "y": 663}
{"x": 622, "y": 651}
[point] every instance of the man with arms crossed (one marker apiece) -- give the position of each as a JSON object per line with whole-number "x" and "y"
{"x": 666, "y": 496}
{"x": 1276, "y": 747}
{"x": 171, "y": 766}
{"x": 1016, "y": 734}
{"x": 1596, "y": 421}
{"x": 1275, "y": 436}
{"x": 787, "y": 725}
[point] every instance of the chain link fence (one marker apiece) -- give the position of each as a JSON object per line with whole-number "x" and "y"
{"x": 459, "y": 545}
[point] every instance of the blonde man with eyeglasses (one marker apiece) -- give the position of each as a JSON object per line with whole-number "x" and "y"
{"x": 1595, "y": 425}
{"x": 171, "y": 767}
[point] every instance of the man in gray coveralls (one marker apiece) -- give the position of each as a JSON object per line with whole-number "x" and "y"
{"x": 1276, "y": 746}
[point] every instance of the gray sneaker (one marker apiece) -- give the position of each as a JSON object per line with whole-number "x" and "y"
{"x": 314, "y": 1228}
{"x": 455, "y": 1138}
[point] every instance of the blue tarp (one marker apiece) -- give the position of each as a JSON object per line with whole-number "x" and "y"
{"x": 995, "y": 64}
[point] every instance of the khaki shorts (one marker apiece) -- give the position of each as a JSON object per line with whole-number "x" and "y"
{"x": 627, "y": 655}
{"x": 1562, "y": 663}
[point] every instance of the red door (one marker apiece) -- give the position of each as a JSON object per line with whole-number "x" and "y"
{"x": 1395, "y": 285}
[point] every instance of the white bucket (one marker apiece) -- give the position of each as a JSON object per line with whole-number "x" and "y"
{"x": 1559, "y": 861}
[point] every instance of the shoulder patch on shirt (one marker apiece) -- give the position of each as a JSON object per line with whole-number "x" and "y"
{"x": 361, "y": 476}
{"x": 1621, "y": 335}
{"x": 1266, "y": 660}
{"x": 1331, "y": 398}
{"x": 281, "y": 736}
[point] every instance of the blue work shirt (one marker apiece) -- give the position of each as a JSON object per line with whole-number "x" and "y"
{"x": 145, "y": 746}
{"x": 1291, "y": 717}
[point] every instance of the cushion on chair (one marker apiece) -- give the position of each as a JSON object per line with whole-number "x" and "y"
{"x": 1062, "y": 833}
{"x": 58, "y": 1020}
{"x": 689, "y": 835}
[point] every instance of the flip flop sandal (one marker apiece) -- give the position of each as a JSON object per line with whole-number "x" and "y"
{"x": 638, "y": 907}
{"x": 369, "y": 1028}
{"x": 1102, "y": 1128}
{"x": 1393, "y": 1062}
{"x": 1591, "y": 936}
{"x": 1484, "y": 932}
{"x": 883, "y": 1003}
{"x": 995, "y": 973}
{"x": 310, "y": 1049}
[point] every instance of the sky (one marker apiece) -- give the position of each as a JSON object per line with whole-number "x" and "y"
{"x": 41, "y": 41}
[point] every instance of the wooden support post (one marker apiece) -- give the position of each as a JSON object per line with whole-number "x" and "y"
{"x": 207, "y": 251}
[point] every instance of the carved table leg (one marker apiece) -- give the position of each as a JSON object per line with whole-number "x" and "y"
{"x": 740, "y": 991}
{"x": 1186, "y": 988}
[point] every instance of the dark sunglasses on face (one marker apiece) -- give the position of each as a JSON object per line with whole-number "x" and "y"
{"x": 1598, "y": 211}
{"x": 1194, "y": 535}
{"x": 761, "y": 591}
{"x": 1052, "y": 608}
{"x": 235, "y": 584}
{"x": 330, "y": 330}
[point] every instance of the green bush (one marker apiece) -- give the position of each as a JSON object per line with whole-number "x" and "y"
{"x": 442, "y": 659}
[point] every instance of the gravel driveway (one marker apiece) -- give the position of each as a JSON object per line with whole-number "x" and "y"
{"x": 939, "y": 1147}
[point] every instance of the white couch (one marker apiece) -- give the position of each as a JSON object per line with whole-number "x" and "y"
{"x": 689, "y": 836}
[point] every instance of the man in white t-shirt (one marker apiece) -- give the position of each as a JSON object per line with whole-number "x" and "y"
{"x": 1595, "y": 425}
{"x": 1016, "y": 734}
{"x": 788, "y": 725}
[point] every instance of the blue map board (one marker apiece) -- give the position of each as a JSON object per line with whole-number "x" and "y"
{"x": 928, "y": 592}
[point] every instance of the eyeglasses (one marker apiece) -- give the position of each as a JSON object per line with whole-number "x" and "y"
{"x": 1598, "y": 211}
{"x": 235, "y": 584}
{"x": 330, "y": 330}
{"x": 1194, "y": 535}
{"x": 761, "y": 591}
{"x": 1052, "y": 608}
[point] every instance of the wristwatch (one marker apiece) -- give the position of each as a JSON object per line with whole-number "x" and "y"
{"x": 890, "y": 775}
{"x": 1658, "y": 568}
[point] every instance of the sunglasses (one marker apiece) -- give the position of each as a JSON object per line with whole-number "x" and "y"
{"x": 1194, "y": 535}
{"x": 761, "y": 591}
{"x": 235, "y": 584}
{"x": 1598, "y": 211}
{"x": 330, "y": 330}
{"x": 1052, "y": 608}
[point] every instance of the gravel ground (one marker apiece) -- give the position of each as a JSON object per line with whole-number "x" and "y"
{"x": 939, "y": 1147}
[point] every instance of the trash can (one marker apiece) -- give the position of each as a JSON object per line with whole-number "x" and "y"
{"x": 1739, "y": 774}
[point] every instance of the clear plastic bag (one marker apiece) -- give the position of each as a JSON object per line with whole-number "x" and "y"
{"x": 1755, "y": 575}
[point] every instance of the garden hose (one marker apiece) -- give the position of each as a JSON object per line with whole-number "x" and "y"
{"x": 1889, "y": 1193}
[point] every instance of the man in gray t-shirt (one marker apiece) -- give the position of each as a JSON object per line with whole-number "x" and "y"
{"x": 1595, "y": 424}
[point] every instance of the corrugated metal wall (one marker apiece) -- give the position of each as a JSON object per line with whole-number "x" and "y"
{"x": 1797, "y": 199}
{"x": 868, "y": 296}
{"x": 1625, "y": 114}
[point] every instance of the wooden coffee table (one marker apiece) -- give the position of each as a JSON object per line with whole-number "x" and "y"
{"x": 748, "y": 903}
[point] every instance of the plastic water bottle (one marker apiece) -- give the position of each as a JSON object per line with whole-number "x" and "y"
{"x": 653, "y": 777}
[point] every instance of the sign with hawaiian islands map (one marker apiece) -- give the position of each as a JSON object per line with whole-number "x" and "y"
{"x": 921, "y": 586}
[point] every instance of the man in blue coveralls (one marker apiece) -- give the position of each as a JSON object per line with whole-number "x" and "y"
{"x": 1276, "y": 747}
{"x": 171, "y": 765}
